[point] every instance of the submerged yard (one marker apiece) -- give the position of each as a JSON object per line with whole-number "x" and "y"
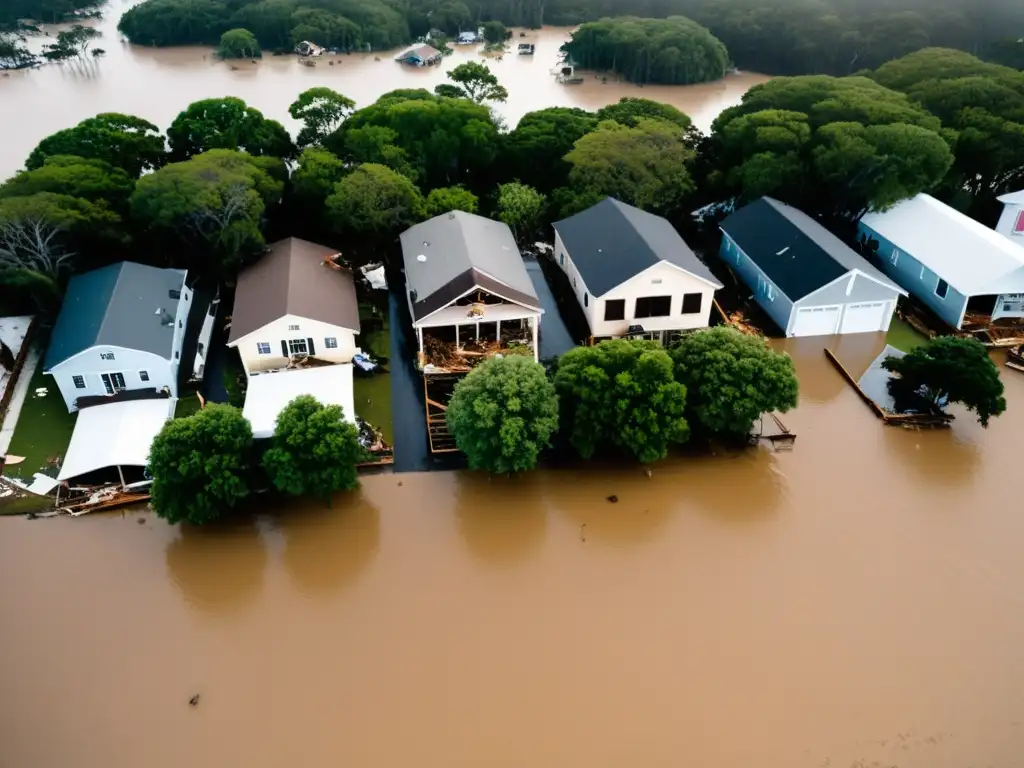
{"x": 372, "y": 393}
{"x": 43, "y": 431}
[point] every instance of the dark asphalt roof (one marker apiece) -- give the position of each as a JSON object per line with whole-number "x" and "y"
{"x": 124, "y": 305}
{"x": 612, "y": 242}
{"x": 292, "y": 278}
{"x": 796, "y": 252}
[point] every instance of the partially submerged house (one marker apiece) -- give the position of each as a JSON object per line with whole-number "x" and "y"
{"x": 968, "y": 274}
{"x": 468, "y": 290}
{"x": 422, "y": 55}
{"x": 1011, "y": 222}
{"x": 119, "y": 334}
{"x": 294, "y": 325}
{"x": 306, "y": 48}
{"x": 633, "y": 274}
{"x": 804, "y": 277}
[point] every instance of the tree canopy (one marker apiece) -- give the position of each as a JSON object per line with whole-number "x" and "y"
{"x": 200, "y": 465}
{"x": 314, "y": 451}
{"x": 90, "y": 179}
{"x": 127, "y": 142}
{"x": 374, "y": 201}
{"x": 521, "y": 207}
{"x": 503, "y": 413}
{"x": 473, "y": 81}
{"x": 322, "y": 111}
{"x": 71, "y": 43}
{"x": 674, "y": 51}
{"x": 630, "y": 110}
{"x": 444, "y": 199}
{"x": 621, "y": 394}
{"x": 950, "y": 369}
{"x": 533, "y": 152}
{"x": 239, "y": 44}
{"x": 732, "y": 378}
{"x": 226, "y": 123}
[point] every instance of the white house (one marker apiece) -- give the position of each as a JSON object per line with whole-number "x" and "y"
{"x": 294, "y": 303}
{"x": 1011, "y": 222}
{"x": 120, "y": 330}
{"x": 632, "y": 273}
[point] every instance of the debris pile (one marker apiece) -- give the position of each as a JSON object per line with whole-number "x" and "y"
{"x": 738, "y": 320}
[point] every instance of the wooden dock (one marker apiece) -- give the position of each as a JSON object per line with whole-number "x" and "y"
{"x": 780, "y": 437}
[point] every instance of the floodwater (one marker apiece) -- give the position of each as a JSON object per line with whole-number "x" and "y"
{"x": 856, "y": 602}
{"x": 157, "y": 84}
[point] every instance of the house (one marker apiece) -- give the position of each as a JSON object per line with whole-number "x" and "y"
{"x": 306, "y": 48}
{"x": 422, "y": 55}
{"x": 804, "y": 277}
{"x": 468, "y": 290}
{"x": 294, "y": 303}
{"x": 632, "y": 273}
{"x": 120, "y": 330}
{"x": 1011, "y": 222}
{"x": 952, "y": 263}
{"x": 467, "y": 38}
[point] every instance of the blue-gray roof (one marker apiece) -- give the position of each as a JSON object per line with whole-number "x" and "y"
{"x": 124, "y": 305}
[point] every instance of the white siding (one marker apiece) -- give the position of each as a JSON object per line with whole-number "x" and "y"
{"x": 128, "y": 362}
{"x": 562, "y": 258}
{"x": 278, "y": 331}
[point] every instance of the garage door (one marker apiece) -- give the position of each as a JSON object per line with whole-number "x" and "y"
{"x": 816, "y": 321}
{"x": 862, "y": 318}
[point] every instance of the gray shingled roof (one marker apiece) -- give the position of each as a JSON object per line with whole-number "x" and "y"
{"x": 461, "y": 250}
{"x": 612, "y": 242}
{"x": 124, "y": 305}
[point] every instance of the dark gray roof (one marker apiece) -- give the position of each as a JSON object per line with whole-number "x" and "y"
{"x": 612, "y": 242}
{"x": 451, "y": 254}
{"x": 796, "y": 252}
{"x": 124, "y": 305}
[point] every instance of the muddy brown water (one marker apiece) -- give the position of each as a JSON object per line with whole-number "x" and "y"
{"x": 857, "y": 602}
{"x": 156, "y": 84}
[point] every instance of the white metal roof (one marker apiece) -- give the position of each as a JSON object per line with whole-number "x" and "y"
{"x": 115, "y": 435}
{"x": 269, "y": 393}
{"x": 972, "y": 258}
{"x": 1016, "y": 198}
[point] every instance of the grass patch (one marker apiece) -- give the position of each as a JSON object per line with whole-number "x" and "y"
{"x": 22, "y": 505}
{"x": 372, "y": 396}
{"x": 187, "y": 404}
{"x": 904, "y": 336}
{"x": 43, "y": 431}
{"x": 235, "y": 381}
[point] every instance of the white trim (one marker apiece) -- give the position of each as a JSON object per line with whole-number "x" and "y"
{"x": 478, "y": 288}
{"x": 95, "y": 347}
{"x": 891, "y": 285}
{"x": 240, "y": 339}
{"x": 716, "y": 285}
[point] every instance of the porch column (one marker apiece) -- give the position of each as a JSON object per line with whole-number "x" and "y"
{"x": 534, "y": 324}
{"x": 497, "y": 336}
{"x": 121, "y": 475}
{"x": 477, "y": 326}
{"x": 456, "y": 335}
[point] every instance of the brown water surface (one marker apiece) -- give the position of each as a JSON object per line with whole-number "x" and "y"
{"x": 857, "y": 602}
{"x": 156, "y": 84}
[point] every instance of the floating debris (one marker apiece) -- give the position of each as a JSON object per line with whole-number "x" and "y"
{"x": 613, "y": 499}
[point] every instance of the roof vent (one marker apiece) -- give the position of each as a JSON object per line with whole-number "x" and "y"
{"x": 782, "y": 251}
{"x": 421, "y": 258}
{"x": 451, "y": 214}
{"x": 166, "y": 319}
{"x": 174, "y": 293}
{"x": 159, "y": 310}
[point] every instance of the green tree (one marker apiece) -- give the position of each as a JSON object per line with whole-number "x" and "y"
{"x": 521, "y": 207}
{"x": 315, "y": 177}
{"x": 629, "y": 111}
{"x": 322, "y": 111}
{"x": 950, "y": 369}
{"x": 71, "y": 43}
{"x": 239, "y": 44}
{"x": 645, "y": 166}
{"x": 533, "y": 152}
{"x": 325, "y": 28}
{"x": 122, "y": 140}
{"x": 314, "y": 450}
{"x": 731, "y": 379}
{"x": 90, "y": 179}
{"x": 210, "y": 207}
{"x": 375, "y": 202}
{"x": 444, "y": 199}
{"x": 175, "y": 22}
{"x": 621, "y": 394}
{"x": 14, "y": 55}
{"x": 227, "y": 123}
{"x": 495, "y": 32}
{"x": 200, "y": 465}
{"x": 473, "y": 81}
{"x": 503, "y": 414}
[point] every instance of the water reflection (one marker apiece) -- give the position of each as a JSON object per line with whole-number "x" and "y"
{"x": 940, "y": 457}
{"x": 820, "y": 382}
{"x": 218, "y": 568}
{"x": 710, "y": 485}
{"x": 501, "y": 532}
{"x": 327, "y": 548}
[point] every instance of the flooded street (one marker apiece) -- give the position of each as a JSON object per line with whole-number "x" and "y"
{"x": 857, "y": 602}
{"x": 157, "y": 84}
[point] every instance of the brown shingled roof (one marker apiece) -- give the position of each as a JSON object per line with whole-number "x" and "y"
{"x": 292, "y": 279}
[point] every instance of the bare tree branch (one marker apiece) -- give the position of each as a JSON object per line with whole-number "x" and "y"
{"x": 32, "y": 243}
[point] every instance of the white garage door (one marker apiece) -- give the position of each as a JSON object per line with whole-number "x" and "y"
{"x": 862, "y": 318}
{"x": 816, "y": 321}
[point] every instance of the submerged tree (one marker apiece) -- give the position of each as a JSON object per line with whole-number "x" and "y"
{"x": 322, "y": 110}
{"x": 200, "y": 465}
{"x": 239, "y": 44}
{"x": 473, "y": 81}
{"x": 732, "y": 378}
{"x": 503, "y": 414}
{"x": 71, "y": 43}
{"x": 950, "y": 369}
{"x": 314, "y": 450}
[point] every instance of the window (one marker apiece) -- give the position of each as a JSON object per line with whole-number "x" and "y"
{"x": 179, "y": 324}
{"x": 293, "y": 327}
{"x": 894, "y": 257}
{"x": 615, "y": 309}
{"x": 106, "y": 355}
{"x": 1018, "y": 228}
{"x": 692, "y": 303}
{"x": 941, "y": 289}
{"x": 144, "y": 375}
{"x": 561, "y": 259}
{"x": 79, "y": 382}
{"x": 297, "y": 347}
{"x": 263, "y": 347}
{"x": 113, "y": 382}
{"x": 653, "y": 306}
{"x": 656, "y": 281}
{"x": 585, "y": 299}
{"x": 331, "y": 342}
{"x": 574, "y": 282}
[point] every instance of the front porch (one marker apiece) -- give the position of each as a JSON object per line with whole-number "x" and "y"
{"x": 456, "y": 338}
{"x": 995, "y": 320}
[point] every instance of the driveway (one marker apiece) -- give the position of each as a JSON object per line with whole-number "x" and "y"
{"x": 555, "y": 338}
{"x": 213, "y": 374}
{"x": 408, "y": 414}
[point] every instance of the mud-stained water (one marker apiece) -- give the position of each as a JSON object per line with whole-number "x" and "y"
{"x": 857, "y": 602}
{"x": 156, "y": 84}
